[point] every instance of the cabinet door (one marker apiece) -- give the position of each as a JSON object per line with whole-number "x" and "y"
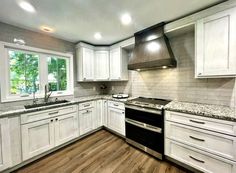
{"x": 5, "y": 153}
{"x": 116, "y": 120}
{"x": 104, "y": 113}
{"x": 97, "y": 120}
{"x": 86, "y": 121}
{"x": 66, "y": 128}
{"x": 215, "y": 45}
{"x": 37, "y": 138}
{"x": 115, "y": 64}
{"x": 88, "y": 64}
{"x": 101, "y": 65}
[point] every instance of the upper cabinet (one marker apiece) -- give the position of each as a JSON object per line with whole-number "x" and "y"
{"x": 101, "y": 65}
{"x": 118, "y": 64}
{"x": 96, "y": 63}
{"x": 215, "y": 45}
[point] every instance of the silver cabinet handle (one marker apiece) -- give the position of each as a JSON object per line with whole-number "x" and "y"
{"x": 115, "y": 104}
{"x": 198, "y": 122}
{"x": 52, "y": 113}
{"x": 87, "y": 105}
{"x": 199, "y": 73}
{"x": 197, "y": 139}
{"x": 198, "y": 160}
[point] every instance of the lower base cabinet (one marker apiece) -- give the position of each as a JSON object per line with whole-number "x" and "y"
{"x": 41, "y": 136}
{"x": 5, "y": 153}
{"x": 86, "y": 120}
{"x": 116, "y": 119}
{"x": 37, "y": 137}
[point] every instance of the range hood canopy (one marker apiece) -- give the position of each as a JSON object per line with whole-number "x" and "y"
{"x": 152, "y": 50}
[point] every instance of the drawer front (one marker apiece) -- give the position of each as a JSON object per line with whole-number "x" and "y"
{"x": 221, "y": 126}
{"x": 40, "y": 115}
{"x": 216, "y": 143}
{"x": 86, "y": 105}
{"x": 117, "y": 105}
{"x": 204, "y": 162}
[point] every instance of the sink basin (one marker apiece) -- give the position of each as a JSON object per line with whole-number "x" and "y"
{"x": 45, "y": 104}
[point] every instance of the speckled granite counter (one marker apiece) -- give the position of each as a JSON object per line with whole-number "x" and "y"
{"x": 16, "y": 110}
{"x": 206, "y": 110}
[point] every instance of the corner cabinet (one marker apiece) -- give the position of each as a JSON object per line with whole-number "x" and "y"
{"x": 5, "y": 154}
{"x": 101, "y": 65}
{"x": 215, "y": 45}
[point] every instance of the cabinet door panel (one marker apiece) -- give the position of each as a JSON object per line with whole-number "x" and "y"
{"x": 116, "y": 120}
{"x": 98, "y": 114}
{"x": 66, "y": 128}
{"x": 88, "y": 64}
{"x": 5, "y": 153}
{"x": 115, "y": 64}
{"x": 215, "y": 39}
{"x": 86, "y": 121}
{"x": 37, "y": 138}
{"x": 102, "y": 65}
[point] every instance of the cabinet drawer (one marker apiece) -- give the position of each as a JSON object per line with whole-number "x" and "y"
{"x": 117, "y": 105}
{"x": 86, "y": 105}
{"x": 40, "y": 115}
{"x": 197, "y": 159}
{"x": 221, "y": 126}
{"x": 216, "y": 143}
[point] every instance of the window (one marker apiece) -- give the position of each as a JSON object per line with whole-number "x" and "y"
{"x": 26, "y": 71}
{"x": 57, "y": 74}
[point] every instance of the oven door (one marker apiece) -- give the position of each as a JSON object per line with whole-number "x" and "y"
{"x": 145, "y": 137}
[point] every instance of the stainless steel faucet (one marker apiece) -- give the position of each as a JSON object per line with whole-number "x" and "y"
{"x": 34, "y": 98}
{"x": 47, "y": 93}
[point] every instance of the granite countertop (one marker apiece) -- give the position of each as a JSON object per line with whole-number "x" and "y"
{"x": 16, "y": 110}
{"x": 206, "y": 110}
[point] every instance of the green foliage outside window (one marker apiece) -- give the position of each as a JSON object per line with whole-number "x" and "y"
{"x": 57, "y": 74}
{"x": 24, "y": 72}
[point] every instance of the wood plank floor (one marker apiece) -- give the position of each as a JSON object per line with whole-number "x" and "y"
{"x": 101, "y": 152}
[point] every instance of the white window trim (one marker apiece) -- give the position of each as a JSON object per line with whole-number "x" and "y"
{"x": 4, "y": 72}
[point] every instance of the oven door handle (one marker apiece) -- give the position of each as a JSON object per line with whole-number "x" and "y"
{"x": 143, "y": 125}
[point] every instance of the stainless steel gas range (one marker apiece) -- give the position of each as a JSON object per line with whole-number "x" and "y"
{"x": 144, "y": 122}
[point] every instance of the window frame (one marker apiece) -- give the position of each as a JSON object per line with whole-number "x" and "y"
{"x": 6, "y": 96}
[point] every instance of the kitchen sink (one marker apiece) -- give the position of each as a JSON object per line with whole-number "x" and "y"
{"x": 45, "y": 104}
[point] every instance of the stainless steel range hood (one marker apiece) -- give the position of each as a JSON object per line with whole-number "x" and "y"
{"x": 152, "y": 50}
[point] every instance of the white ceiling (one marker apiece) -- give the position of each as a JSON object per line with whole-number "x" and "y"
{"x": 76, "y": 20}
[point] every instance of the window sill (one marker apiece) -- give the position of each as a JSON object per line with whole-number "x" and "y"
{"x": 18, "y": 98}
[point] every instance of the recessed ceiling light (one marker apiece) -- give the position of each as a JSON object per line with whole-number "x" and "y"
{"x": 126, "y": 19}
{"x": 27, "y": 6}
{"x": 97, "y": 35}
{"x": 46, "y": 29}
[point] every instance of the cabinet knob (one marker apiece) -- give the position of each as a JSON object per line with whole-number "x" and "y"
{"x": 123, "y": 112}
{"x": 51, "y": 120}
{"x": 56, "y": 119}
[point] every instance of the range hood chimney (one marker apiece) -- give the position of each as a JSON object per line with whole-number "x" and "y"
{"x": 152, "y": 50}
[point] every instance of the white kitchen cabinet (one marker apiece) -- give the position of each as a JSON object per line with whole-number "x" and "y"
{"x": 66, "y": 128}
{"x": 97, "y": 119}
{"x": 118, "y": 64}
{"x": 105, "y": 111}
{"x": 203, "y": 143}
{"x": 5, "y": 153}
{"x": 37, "y": 137}
{"x": 101, "y": 65}
{"x": 86, "y": 120}
{"x": 215, "y": 45}
{"x": 116, "y": 120}
{"x": 42, "y": 131}
{"x": 85, "y": 62}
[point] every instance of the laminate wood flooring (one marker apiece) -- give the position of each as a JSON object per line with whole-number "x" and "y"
{"x": 101, "y": 152}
